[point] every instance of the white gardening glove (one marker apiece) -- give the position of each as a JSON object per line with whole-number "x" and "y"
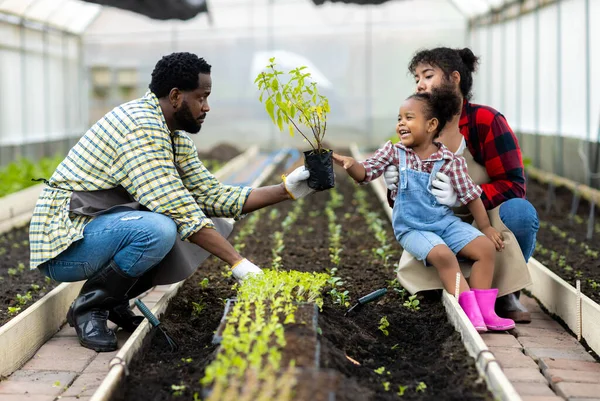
{"x": 295, "y": 183}
{"x": 243, "y": 269}
{"x": 390, "y": 176}
{"x": 443, "y": 191}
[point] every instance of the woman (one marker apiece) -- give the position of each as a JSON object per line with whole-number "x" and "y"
{"x": 482, "y": 135}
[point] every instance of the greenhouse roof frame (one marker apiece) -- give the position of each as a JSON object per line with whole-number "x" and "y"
{"x": 72, "y": 16}
{"x": 75, "y": 16}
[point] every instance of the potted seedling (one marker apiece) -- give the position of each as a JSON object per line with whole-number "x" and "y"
{"x": 298, "y": 106}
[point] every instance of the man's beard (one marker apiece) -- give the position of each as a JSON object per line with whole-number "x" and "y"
{"x": 185, "y": 120}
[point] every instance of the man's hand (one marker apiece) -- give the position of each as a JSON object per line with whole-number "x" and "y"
{"x": 296, "y": 185}
{"x": 495, "y": 236}
{"x": 390, "y": 177}
{"x": 443, "y": 191}
{"x": 244, "y": 269}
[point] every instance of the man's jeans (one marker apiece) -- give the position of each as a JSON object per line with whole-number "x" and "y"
{"x": 520, "y": 217}
{"x": 135, "y": 240}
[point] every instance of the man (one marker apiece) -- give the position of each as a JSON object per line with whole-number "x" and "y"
{"x": 116, "y": 208}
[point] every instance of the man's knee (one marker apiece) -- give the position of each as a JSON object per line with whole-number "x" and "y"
{"x": 163, "y": 233}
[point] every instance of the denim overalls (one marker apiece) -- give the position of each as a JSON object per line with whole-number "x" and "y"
{"x": 419, "y": 221}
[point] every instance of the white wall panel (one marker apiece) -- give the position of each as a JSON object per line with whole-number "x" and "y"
{"x": 510, "y": 104}
{"x": 573, "y": 101}
{"x": 494, "y": 67}
{"x": 528, "y": 74}
{"x": 548, "y": 71}
{"x": 594, "y": 68}
{"x": 35, "y": 98}
{"x": 11, "y": 127}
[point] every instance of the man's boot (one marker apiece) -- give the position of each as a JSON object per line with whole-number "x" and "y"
{"x": 509, "y": 306}
{"x": 88, "y": 313}
{"x": 121, "y": 314}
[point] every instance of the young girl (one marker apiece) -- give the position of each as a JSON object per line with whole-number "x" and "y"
{"x": 425, "y": 228}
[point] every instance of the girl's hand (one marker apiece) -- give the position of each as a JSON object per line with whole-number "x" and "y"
{"x": 345, "y": 161}
{"x": 495, "y": 236}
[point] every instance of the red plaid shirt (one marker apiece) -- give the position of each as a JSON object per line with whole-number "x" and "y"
{"x": 493, "y": 145}
{"x": 454, "y": 167}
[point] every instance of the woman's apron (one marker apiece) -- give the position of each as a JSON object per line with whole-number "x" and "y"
{"x": 181, "y": 261}
{"x": 510, "y": 274}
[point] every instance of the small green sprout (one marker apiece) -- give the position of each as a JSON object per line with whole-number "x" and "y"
{"x": 421, "y": 387}
{"x": 412, "y": 303}
{"x": 204, "y": 283}
{"x": 197, "y": 308}
{"x": 178, "y": 389}
{"x": 380, "y": 370}
{"x": 401, "y": 390}
{"x": 383, "y": 325}
{"x": 386, "y": 386}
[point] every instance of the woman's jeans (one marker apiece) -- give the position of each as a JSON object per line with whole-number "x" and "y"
{"x": 136, "y": 241}
{"x": 520, "y": 217}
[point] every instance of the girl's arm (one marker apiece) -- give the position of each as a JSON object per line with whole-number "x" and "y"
{"x": 483, "y": 223}
{"x": 352, "y": 167}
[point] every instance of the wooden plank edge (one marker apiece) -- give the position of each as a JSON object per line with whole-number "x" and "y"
{"x": 22, "y": 336}
{"x": 117, "y": 369}
{"x": 485, "y": 362}
{"x": 560, "y": 298}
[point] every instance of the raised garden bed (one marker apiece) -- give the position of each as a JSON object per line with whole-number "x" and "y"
{"x": 378, "y": 352}
{"x": 562, "y": 245}
{"x": 20, "y": 287}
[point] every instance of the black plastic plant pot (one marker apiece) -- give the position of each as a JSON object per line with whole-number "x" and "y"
{"x": 320, "y": 167}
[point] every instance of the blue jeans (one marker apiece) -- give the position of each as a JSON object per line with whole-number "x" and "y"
{"x": 520, "y": 217}
{"x": 136, "y": 241}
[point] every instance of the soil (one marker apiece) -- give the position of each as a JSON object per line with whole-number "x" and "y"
{"x": 585, "y": 263}
{"x": 222, "y": 153}
{"x": 421, "y": 346}
{"x": 14, "y": 250}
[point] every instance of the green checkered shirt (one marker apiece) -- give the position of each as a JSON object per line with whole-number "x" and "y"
{"x": 131, "y": 146}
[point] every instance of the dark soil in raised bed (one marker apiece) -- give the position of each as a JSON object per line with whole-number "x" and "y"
{"x": 15, "y": 276}
{"x": 585, "y": 264}
{"x": 421, "y": 346}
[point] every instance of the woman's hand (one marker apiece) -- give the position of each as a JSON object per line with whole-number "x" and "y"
{"x": 495, "y": 236}
{"x": 345, "y": 161}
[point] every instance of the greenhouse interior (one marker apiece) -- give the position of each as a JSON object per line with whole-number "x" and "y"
{"x": 284, "y": 200}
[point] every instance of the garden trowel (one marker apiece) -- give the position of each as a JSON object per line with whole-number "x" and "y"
{"x": 368, "y": 298}
{"x": 155, "y": 323}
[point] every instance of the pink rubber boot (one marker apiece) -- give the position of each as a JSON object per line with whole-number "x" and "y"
{"x": 486, "y": 300}
{"x": 468, "y": 303}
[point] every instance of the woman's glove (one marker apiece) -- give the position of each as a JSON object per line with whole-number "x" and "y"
{"x": 296, "y": 183}
{"x": 243, "y": 269}
{"x": 443, "y": 191}
{"x": 390, "y": 176}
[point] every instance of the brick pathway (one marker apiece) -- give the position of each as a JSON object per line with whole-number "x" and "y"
{"x": 544, "y": 362}
{"x": 64, "y": 370}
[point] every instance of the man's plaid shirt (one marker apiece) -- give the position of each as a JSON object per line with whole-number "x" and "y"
{"x": 454, "y": 167}
{"x": 131, "y": 146}
{"x": 493, "y": 145}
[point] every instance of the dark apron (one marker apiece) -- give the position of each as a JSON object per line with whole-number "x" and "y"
{"x": 181, "y": 261}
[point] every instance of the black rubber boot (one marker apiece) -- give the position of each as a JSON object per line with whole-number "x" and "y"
{"x": 122, "y": 315}
{"x": 103, "y": 291}
{"x": 509, "y": 306}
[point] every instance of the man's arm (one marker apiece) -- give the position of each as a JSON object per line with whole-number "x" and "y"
{"x": 214, "y": 243}
{"x": 265, "y": 196}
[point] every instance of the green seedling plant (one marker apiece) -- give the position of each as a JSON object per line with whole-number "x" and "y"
{"x": 412, "y": 303}
{"x": 421, "y": 387}
{"x": 197, "y": 308}
{"x": 13, "y": 310}
{"x": 204, "y": 283}
{"x": 278, "y": 247}
{"x": 401, "y": 390}
{"x": 254, "y": 334}
{"x": 178, "y": 389}
{"x": 295, "y": 104}
{"x": 12, "y": 271}
{"x": 383, "y": 325}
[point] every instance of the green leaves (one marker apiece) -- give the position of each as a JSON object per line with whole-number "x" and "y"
{"x": 296, "y": 103}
